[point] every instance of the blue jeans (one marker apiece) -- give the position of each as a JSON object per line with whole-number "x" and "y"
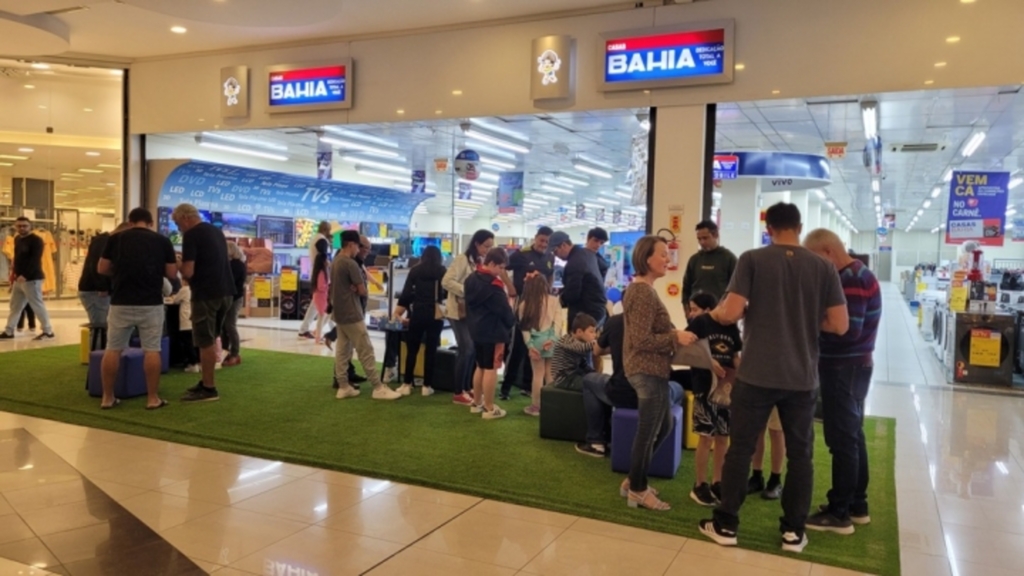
{"x": 843, "y": 390}
{"x": 598, "y": 406}
{"x": 28, "y": 293}
{"x": 97, "y": 306}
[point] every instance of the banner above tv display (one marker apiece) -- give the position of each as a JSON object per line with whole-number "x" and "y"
{"x": 222, "y": 188}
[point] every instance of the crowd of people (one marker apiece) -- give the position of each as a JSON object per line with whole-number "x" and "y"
{"x": 808, "y": 314}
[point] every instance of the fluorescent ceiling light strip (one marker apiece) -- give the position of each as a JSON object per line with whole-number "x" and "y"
{"x": 876, "y": 186}
{"x": 607, "y": 201}
{"x": 936, "y": 192}
{"x": 927, "y": 204}
{"x": 93, "y": 171}
{"x": 1011, "y": 211}
{"x": 244, "y": 142}
{"x": 498, "y": 130}
{"x": 948, "y": 176}
{"x": 374, "y": 173}
{"x": 349, "y": 134}
{"x": 869, "y": 114}
{"x": 557, "y": 190}
{"x": 13, "y": 157}
{"x": 488, "y": 161}
{"x": 359, "y": 160}
{"x": 571, "y": 181}
{"x": 237, "y": 150}
{"x": 368, "y": 148}
{"x": 475, "y": 133}
{"x": 591, "y": 170}
{"x": 482, "y": 185}
{"x": 1016, "y": 182}
{"x": 973, "y": 144}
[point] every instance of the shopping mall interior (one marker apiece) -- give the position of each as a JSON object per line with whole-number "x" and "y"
{"x": 109, "y": 106}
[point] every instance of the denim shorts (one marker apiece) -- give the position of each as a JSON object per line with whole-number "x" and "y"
{"x": 123, "y": 320}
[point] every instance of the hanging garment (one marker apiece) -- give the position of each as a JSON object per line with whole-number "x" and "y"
{"x": 49, "y": 269}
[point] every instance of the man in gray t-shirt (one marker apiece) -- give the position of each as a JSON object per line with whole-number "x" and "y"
{"x": 787, "y": 296}
{"x": 347, "y": 287}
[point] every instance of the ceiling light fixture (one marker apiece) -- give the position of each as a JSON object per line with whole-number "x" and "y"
{"x": 352, "y": 145}
{"x": 624, "y": 195}
{"x": 26, "y": 150}
{"x": 948, "y": 176}
{"x": 878, "y": 199}
{"x": 927, "y": 204}
{"x": 929, "y": 82}
{"x": 488, "y": 161}
{"x": 566, "y": 179}
{"x": 556, "y": 189}
{"x": 374, "y": 173}
{"x": 13, "y": 157}
{"x": 820, "y": 193}
{"x": 117, "y": 72}
{"x": 869, "y": 115}
{"x": 645, "y": 121}
{"x": 248, "y": 147}
{"x": 876, "y": 186}
{"x": 831, "y": 205}
{"x": 740, "y": 66}
{"x": 90, "y": 171}
{"x": 29, "y": 86}
{"x": 940, "y": 64}
{"x": 476, "y": 132}
{"x": 1013, "y": 183}
{"x": 480, "y": 185}
{"x": 591, "y": 167}
{"x": 952, "y": 39}
{"x": 936, "y": 192}
{"x": 86, "y": 109}
{"x": 5, "y": 164}
{"x": 1011, "y": 211}
{"x": 920, "y": 212}
{"x": 179, "y": 29}
{"x": 40, "y": 66}
{"x": 114, "y": 166}
{"x": 973, "y": 144}
{"x": 92, "y": 153}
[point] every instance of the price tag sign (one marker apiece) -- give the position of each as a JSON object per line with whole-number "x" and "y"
{"x": 289, "y": 281}
{"x": 261, "y": 288}
{"x": 395, "y": 249}
{"x": 378, "y": 275}
{"x": 985, "y": 346}
{"x": 958, "y": 299}
{"x": 446, "y": 246}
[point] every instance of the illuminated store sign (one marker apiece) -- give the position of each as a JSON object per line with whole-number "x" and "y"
{"x": 672, "y": 56}
{"x": 292, "y": 89}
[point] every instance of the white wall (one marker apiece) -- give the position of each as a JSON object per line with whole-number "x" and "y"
{"x": 800, "y": 48}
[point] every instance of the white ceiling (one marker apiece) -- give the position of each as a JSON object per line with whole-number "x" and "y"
{"x": 603, "y": 136}
{"x": 141, "y": 28}
{"x": 944, "y": 117}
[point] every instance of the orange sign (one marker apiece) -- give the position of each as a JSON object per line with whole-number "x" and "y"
{"x": 675, "y": 223}
{"x": 674, "y": 289}
{"x": 440, "y": 164}
{"x": 835, "y": 150}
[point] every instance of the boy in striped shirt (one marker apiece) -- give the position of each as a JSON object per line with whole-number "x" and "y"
{"x": 573, "y": 356}
{"x": 844, "y": 371}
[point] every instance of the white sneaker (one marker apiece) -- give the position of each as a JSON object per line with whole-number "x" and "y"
{"x": 404, "y": 390}
{"x": 474, "y": 409}
{"x": 390, "y": 375}
{"x": 347, "y": 392}
{"x": 192, "y": 369}
{"x": 494, "y": 414}
{"x": 382, "y": 392}
{"x": 427, "y": 391}
{"x": 217, "y": 366}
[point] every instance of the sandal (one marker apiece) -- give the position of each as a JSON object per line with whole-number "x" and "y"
{"x": 646, "y": 499}
{"x": 624, "y": 489}
{"x": 158, "y": 406}
{"x": 117, "y": 402}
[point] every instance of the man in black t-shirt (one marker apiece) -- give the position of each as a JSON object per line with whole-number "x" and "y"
{"x": 205, "y": 264}
{"x": 602, "y": 392}
{"x": 138, "y": 259}
{"x": 27, "y": 280}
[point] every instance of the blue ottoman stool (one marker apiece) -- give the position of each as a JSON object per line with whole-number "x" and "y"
{"x": 165, "y": 351}
{"x": 94, "y": 382}
{"x": 666, "y": 460}
{"x": 131, "y": 375}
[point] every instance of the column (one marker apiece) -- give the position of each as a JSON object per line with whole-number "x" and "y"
{"x": 801, "y": 200}
{"x": 812, "y": 218}
{"x": 677, "y": 185}
{"x": 739, "y": 230}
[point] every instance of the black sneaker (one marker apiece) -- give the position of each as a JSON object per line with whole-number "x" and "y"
{"x": 719, "y": 535}
{"x": 356, "y": 379}
{"x": 503, "y": 396}
{"x": 526, "y": 393}
{"x": 772, "y": 492}
{"x": 826, "y": 522}
{"x": 701, "y": 494}
{"x": 860, "y": 518}
{"x": 588, "y": 449}
{"x": 44, "y": 336}
{"x": 203, "y": 394}
{"x": 6, "y": 336}
{"x": 195, "y": 388}
{"x": 794, "y": 541}
{"x": 716, "y": 491}
{"x": 755, "y": 484}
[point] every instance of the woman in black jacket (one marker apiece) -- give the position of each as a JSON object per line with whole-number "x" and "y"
{"x": 422, "y": 297}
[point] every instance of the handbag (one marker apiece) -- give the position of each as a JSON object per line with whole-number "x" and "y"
{"x": 438, "y": 307}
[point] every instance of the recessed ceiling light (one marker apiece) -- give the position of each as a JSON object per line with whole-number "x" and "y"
{"x": 740, "y": 66}
{"x": 6, "y": 164}
{"x": 967, "y": 1}
{"x": 438, "y": 112}
{"x": 179, "y": 29}
{"x": 42, "y": 107}
{"x": 26, "y": 150}
{"x": 929, "y": 82}
{"x": 399, "y": 111}
{"x": 456, "y": 92}
{"x": 92, "y": 153}
{"x": 40, "y": 66}
{"x": 90, "y": 171}
{"x": 952, "y": 39}
{"x": 117, "y": 72}
{"x": 12, "y": 157}
{"x": 776, "y": 92}
{"x": 86, "y": 109}
{"x": 647, "y": 91}
{"x": 940, "y": 64}
{"x": 29, "y": 86}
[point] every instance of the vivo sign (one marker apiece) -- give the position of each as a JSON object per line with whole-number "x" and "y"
{"x": 662, "y": 57}
{"x": 309, "y": 88}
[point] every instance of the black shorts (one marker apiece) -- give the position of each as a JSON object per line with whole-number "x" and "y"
{"x": 489, "y": 356}
{"x": 208, "y": 318}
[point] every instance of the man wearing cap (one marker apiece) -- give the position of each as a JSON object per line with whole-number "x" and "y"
{"x": 582, "y": 286}
{"x": 532, "y": 259}
{"x": 596, "y": 239}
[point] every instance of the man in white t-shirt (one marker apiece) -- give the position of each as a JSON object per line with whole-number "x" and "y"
{"x": 320, "y": 244}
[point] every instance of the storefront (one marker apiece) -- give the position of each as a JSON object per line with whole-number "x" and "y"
{"x": 61, "y": 134}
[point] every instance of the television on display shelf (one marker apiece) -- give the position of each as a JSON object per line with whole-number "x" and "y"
{"x": 419, "y": 243}
{"x": 238, "y": 225}
{"x": 280, "y": 231}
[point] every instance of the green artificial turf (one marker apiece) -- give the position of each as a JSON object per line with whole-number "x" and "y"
{"x": 281, "y": 406}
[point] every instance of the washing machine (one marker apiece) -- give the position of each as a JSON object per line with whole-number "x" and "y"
{"x": 1001, "y": 327}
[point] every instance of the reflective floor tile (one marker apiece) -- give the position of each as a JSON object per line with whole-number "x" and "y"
{"x": 760, "y": 560}
{"x": 226, "y": 486}
{"x": 628, "y": 534}
{"x": 580, "y": 553}
{"x": 227, "y": 535}
{"x": 162, "y": 511}
{"x": 391, "y": 518}
{"x": 431, "y": 495}
{"x": 514, "y": 511}
{"x": 304, "y": 501}
{"x": 319, "y": 550}
{"x": 491, "y": 539}
{"x": 690, "y": 564}
{"x": 426, "y": 563}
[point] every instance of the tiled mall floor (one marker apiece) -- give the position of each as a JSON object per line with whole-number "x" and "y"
{"x": 960, "y": 486}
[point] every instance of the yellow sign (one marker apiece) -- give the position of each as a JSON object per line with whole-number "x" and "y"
{"x": 378, "y": 275}
{"x": 985, "y": 346}
{"x": 383, "y": 230}
{"x": 261, "y": 288}
{"x": 395, "y": 249}
{"x": 921, "y": 286}
{"x": 446, "y": 246}
{"x": 958, "y": 299}
{"x": 289, "y": 281}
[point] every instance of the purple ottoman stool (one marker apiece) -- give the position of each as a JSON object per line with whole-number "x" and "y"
{"x": 666, "y": 459}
